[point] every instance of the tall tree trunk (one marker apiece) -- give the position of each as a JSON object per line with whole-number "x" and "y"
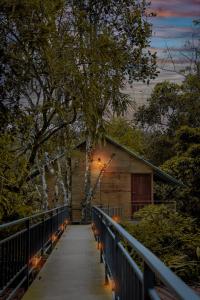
{"x": 69, "y": 180}
{"x": 44, "y": 194}
{"x": 93, "y": 188}
{"x": 44, "y": 189}
{"x": 86, "y": 203}
{"x": 61, "y": 183}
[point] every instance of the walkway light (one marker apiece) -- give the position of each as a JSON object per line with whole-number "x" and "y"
{"x": 66, "y": 222}
{"x": 100, "y": 246}
{"x": 35, "y": 261}
{"x": 112, "y": 284}
{"x": 96, "y": 232}
{"x": 62, "y": 227}
{"x": 54, "y": 238}
{"x": 116, "y": 219}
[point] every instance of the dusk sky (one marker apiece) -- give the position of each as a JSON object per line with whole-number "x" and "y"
{"x": 173, "y": 25}
{"x": 172, "y": 28}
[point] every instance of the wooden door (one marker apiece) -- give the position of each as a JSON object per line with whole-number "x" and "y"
{"x": 140, "y": 191}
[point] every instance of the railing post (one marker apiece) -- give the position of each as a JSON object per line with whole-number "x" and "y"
{"x": 101, "y": 253}
{"x": 27, "y": 251}
{"x": 43, "y": 234}
{"x": 148, "y": 283}
{"x": 100, "y": 241}
{"x": 51, "y": 216}
{"x": 57, "y": 218}
{"x": 116, "y": 268}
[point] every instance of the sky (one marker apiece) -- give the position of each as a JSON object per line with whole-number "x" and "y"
{"x": 172, "y": 28}
{"x": 173, "y": 25}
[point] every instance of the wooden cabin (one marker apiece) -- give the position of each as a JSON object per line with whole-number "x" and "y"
{"x": 127, "y": 182}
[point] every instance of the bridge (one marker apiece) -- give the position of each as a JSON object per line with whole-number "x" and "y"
{"x": 82, "y": 261}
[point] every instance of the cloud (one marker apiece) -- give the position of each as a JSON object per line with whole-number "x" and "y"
{"x": 175, "y": 13}
{"x": 170, "y": 32}
{"x": 176, "y": 8}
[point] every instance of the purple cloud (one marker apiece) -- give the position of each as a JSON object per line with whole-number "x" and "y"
{"x": 175, "y": 8}
{"x": 173, "y": 32}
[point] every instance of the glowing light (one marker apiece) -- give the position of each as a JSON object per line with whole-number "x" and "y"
{"x": 35, "y": 261}
{"x": 100, "y": 246}
{"x": 98, "y": 164}
{"x": 112, "y": 284}
{"x": 96, "y": 232}
{"x": 54, "y": 238}
{"x": 62, "y": 227}
{"x": 116, "y": 219}
{"x": 66, "y": 222}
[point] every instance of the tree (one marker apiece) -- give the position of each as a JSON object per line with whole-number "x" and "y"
{"x": 158, "y": 147}
{"x": 126, "y": 134}
{"x": 171, "y": 236}
{"x": 190, "y": 54}
{"x": 33, "y": 67}
{"x": 124, "y": 29}
{"x": 169, "y": 107}
{"x": 63, "y": 59}
{"x": 185, "y": 165}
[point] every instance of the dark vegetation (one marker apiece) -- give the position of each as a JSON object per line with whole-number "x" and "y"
{"x": 172, "y": 236}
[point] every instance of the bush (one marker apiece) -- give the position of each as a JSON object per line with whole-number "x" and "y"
{"x": 174, "y": 238}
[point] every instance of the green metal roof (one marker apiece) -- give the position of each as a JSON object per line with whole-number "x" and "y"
{"x": 158, "y": 173}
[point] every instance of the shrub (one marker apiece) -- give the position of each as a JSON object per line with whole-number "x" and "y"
{"x": 174, "y": 238}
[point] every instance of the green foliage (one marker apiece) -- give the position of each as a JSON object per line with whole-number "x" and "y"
{"x": 171, "y": 106}
{"x": 174, "y": 238}
{"x": 186, "y": 137}
{"x": 123, "y": 132}
{"x": 158, "y": 147}
{"x": 161, "y": 112}
{"x": 63, "y": 62}
{"x": 186, "y": 167}
{"x": 13, "y": 202}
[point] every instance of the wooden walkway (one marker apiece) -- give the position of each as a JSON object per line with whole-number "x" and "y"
{"x": 72, "y": 271}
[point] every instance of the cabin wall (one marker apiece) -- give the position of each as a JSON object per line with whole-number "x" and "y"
{"x": 114, "y": 189}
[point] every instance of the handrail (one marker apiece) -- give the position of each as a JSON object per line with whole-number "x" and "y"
{"x": 23, "y": 220}
{"x": 161, "y": 271}
{"x": 23, "y": 247}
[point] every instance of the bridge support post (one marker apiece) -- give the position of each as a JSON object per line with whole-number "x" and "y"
{"x": 149, "y": 281}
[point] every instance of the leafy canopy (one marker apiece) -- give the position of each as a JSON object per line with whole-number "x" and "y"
{"x": 126, "y": 134}
{"x": 174, "y": 238}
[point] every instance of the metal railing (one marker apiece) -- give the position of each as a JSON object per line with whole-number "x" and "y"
{"x": 112, "y": 211}
{"x": 129, "y": 281}
{"x": 141, "y": 204}
{"x": 21, "y": 242}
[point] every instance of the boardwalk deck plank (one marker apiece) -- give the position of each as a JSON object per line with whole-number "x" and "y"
{"x": 72, "y": 271}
